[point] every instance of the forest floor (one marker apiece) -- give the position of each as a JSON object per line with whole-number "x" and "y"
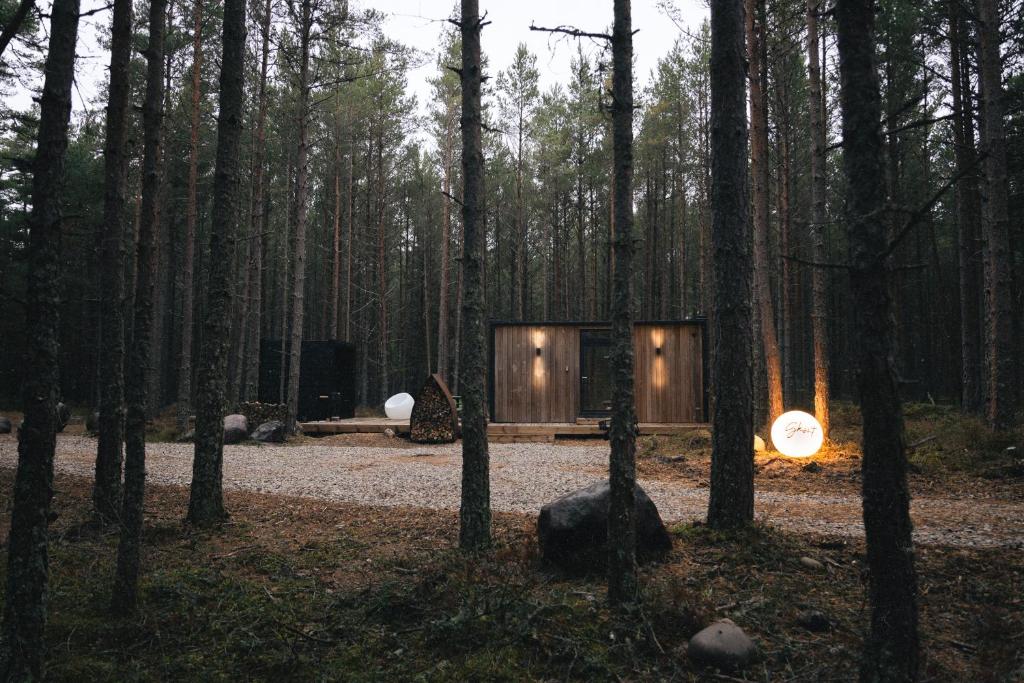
{"x": 353, "y": 575}
{"x": 300, "y": 589}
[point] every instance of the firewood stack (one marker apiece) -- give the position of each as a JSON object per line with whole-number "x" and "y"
{"x": 434, "y": 417}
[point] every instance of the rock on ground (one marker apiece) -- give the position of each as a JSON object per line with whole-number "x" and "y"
{"x": 63, "y": 416}
{"x": 5, "y": 425}
{"x": 724, "y": 645}
{"x": 236, "y": 428}
{"x": 272, "y": 431}
{"x": 573, "y": 530}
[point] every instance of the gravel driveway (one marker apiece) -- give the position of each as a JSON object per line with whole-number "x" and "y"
{"x": 523, "y": 478}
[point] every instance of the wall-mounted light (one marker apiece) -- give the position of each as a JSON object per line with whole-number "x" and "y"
{"x": 657, "y": 350}
{"x": 538, "y": 350}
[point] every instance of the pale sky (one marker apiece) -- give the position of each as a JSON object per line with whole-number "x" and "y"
{"x": 419, "y": 24}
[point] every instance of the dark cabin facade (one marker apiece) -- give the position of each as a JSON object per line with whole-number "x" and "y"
{"x": 559, "y": 372}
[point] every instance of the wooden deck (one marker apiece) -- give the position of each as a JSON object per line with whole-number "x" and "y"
{"x": 497, "y": 432}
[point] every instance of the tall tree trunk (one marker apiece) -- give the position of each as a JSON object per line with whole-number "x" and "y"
{"x": 999, "y": 313}
{"x": 446, "y": 241}
{"x": 22, "y": 642}
{"x": 382, "y": 270}
{"x": 731, "y": 502}
{"x": 298, "y": 284}
{"x": 206, "y": 500}
{"x": 259, "y": 221}
{"x": 623, "y": 586}
{"x": 336, "y": 241}
{"x": 891, "y": 648}
{"x": 819, "y": 295}
{"x": 126, "y": 580}
{"x": 968, "y": 215}
{"x": 475, "y": 508}
{"x": 191, "y": 218}
{"x": 106, "y": 493}
{"x": 759, "y": 175}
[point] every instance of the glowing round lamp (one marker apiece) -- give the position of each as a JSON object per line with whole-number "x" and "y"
{"x": 797, "y": 434}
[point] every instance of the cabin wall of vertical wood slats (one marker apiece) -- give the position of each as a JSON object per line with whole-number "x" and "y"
{"x": 546, "y": 388}
{"x": 532, "y": 388}
{"x": 669, "y": 386}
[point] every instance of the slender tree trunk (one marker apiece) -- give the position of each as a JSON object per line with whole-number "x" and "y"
{"x": 475, "y": 508}
{"x": 446, "y": 239}
{"x": 298, "y": 284}
{"x": 819, "y": 295}
{"x": 126, "y": 580}
{"x": 191, "y": 218}
{"x": 382, "y": 270}
{"x": 623, "y": 584}
{"x": 22, "y": 642}
{"x": 759, "y": 174}
{"x": 350, "y": 201}
{"x": 336, "y": 241}
{"x": 258, "y": 218}
{"x": 106, "y": 494}
{"x": 968, "y": 215}
{"x": 206, "y": 501}
{"x": 891, "y": 647}
{"x": 999, "y": 340}
{"x": 732, "y": 457}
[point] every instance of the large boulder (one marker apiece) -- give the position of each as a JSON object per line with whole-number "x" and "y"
{"x": 236, "y": 428}
{"x": 5, "y": 425}
{"x": 573, "y": 530}
{"x": 434, "y": 418}
{"x": 273, "y": 431}
{"x": 724, "y": 645}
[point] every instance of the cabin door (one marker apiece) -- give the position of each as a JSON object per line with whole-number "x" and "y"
{"x": 595, "y": 373}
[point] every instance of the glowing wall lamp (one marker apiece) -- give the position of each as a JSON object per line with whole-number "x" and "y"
{"x": 538, "y": 350}
{"x": 657, "y": 350}
{"x": 797, "y": 434}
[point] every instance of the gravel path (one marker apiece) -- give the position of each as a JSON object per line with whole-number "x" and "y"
{"x": 523, "y": 478}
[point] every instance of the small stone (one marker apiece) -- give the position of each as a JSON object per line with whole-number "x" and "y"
{"x": 272, "y": 431}
{"x": 814, "y": 620}
{"x": 389, "y": 432}
{"x": 236, "y": 428}
{"x": 724, "y": 645}
{"x": 759, "y": 444}
{"x": 63, "y": 416}
{"x": 811, "y": 563}
{"x": 5, "y": 425}
{"x": 811, "y": 467}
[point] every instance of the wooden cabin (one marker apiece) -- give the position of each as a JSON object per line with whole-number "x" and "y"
{"x": 554, "y": 372}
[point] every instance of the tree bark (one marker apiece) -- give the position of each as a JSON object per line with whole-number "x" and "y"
{"x": 623, "y": 584}
{"x": 298, "y": 284}
{"x": 206, "y": 500}
{"x": 891, "y": 647}
{"x": 126, "y": 579}
{"x": 259, "y": 221}
{"x": 731, "y": 502}
{"x": 446, "y": 241}
{"x": 999, "y": 312}
{"x": 475, "y": 508}
{"x": 22, "y": 642}
{"x": 759, "y": 174}
{"x": 191, "y": 218}
{"x": 819, "y": 295}
{"x": 106, "y": 494}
